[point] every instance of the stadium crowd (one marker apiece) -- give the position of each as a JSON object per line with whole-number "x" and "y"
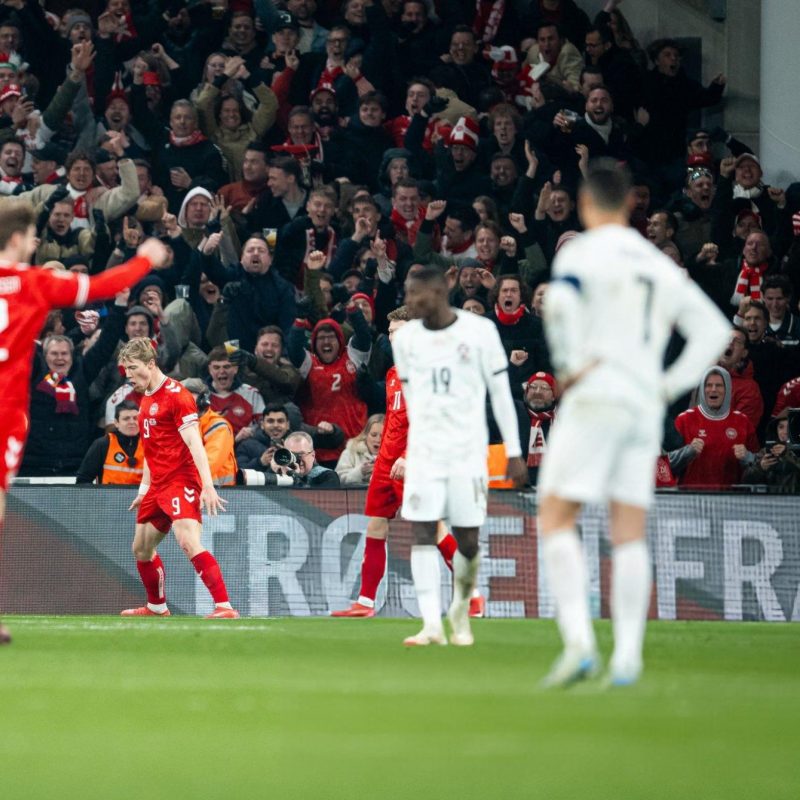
{"x": 301, "y": 157}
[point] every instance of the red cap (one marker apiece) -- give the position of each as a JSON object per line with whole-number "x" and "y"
{"x": 542, "y": 376}
{"x": 11, "y": 90}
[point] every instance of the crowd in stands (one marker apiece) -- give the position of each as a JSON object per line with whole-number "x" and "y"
{"x": 302, "y": 157}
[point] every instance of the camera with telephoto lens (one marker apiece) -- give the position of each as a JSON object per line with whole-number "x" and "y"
{"x": 283, "y": 457}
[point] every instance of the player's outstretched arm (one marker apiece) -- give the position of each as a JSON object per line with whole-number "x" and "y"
{"x": 151, "y": 254}
{"x": 143, "y": 487}
{"x": 211, "y": 502}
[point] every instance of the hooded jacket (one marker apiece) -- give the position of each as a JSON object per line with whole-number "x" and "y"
{"x": 720, "y": 430}
{"x": 745, "y": 394}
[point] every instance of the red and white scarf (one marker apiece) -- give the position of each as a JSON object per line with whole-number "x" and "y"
{"x": 537, "y": 444}
{"x": 80, "y": 207}
{"x": 186, "y": 141}
{"x": 488, "y": 16}
{"x": 749, "y": 282}
{"x": 407, "y": 231}
{"x": 62, "y": 390}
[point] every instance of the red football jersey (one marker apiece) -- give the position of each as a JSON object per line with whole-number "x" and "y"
{"x": 395, "y": 426}
{"x": 242, "y": 407}
{"x": 788, "y": 396}
{"x": 27, "y": 295}
{"x": 163, "y": 414}
{"x": 332, "y": 397}
{"x": 716, "y": 466}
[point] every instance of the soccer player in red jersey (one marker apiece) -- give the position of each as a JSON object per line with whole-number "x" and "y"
{"x": 27, "y": 295}
{"x": 176, "y": 484}
{"x": 385, "y": 496}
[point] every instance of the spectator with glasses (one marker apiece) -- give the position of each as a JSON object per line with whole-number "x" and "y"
{"x": 301, "y": 469}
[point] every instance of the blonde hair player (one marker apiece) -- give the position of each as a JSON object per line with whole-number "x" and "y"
{"x": 176, "y": 485}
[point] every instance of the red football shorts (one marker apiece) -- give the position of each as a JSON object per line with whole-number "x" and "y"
{"x": 177, "y": 500}
{"x": 384, "y": 495}
{"x": 13, "y": 433}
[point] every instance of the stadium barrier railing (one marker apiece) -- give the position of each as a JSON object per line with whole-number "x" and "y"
{"x": 67, "y": 550}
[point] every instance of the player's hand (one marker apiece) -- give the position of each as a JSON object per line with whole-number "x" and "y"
{"x": 740, "y": 451}
{"x": 137, "y": 501}
{"x": 697, "y": 445}
{"x": 517, "y": 471}
{"x": 398, "y": 470}
{"x": 211, "y": 502}
{"x": 155, "y": 251}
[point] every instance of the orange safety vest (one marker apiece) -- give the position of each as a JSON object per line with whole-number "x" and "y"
{"x": 117, "y": 469}
{"x": 498, "y": 464}
{"x": 218, "y": 441}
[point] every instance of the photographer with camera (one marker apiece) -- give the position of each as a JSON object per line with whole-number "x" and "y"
{"x": 777, "y": 465}
{"x": 295, "y": 465}
{"x": 256, "y": 452}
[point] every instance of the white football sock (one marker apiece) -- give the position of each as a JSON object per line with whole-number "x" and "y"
{"x": 465, "y": 576}
{"x": 568, "y": 579}
{"x": 427, "y": 583}
{"x": 631, "y": 578}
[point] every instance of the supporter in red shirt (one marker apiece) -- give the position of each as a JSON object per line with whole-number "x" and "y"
{"x": 240, "y": 403}
{"x": 724, "y": 441}
{"x": 788, "y": 397}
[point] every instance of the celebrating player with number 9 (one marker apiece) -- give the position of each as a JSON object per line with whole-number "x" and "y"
{"x": 176, "y": 483}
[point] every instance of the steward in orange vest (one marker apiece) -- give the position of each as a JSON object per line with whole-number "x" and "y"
{"x": 217, "y": 432}
{"x": 117, "y": 457}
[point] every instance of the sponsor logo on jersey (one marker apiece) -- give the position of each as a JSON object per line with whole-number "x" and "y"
{"x": 413, "y": 502}
{"x": 463, "y": 353}
{"x": 730, "y": 433}
{"x": 238, "y": 411}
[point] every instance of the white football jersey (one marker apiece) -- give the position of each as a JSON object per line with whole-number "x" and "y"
{"x": 446, "y": 374}
{"x": 615, "y": 300}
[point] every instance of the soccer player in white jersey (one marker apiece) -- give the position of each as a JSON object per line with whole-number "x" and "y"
{"x": 609, "y": 311}
{"x": 447, "y": 360}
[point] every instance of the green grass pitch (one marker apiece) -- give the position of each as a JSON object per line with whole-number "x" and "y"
{"x": 98, "y": 707}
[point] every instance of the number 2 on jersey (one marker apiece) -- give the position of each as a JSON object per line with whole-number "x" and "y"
{"x": 649, "y": 286}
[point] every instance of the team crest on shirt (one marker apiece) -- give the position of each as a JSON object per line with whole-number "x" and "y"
{"x": 730, "y": 433}
{"x": 351, "y": 367}
{"x": 413, "y": 501}
{"x": 154, "y": 408}
{"x": 463, "y": 352}
{"x": 119, "y": 457}
{"x": 238, "y": 411}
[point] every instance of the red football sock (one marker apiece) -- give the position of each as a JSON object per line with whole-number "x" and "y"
{"x": 153, "y": 578}
{"x": 447, "y": 547}
{"x": 372, "y": 567}
{"x": 207, "y": 568}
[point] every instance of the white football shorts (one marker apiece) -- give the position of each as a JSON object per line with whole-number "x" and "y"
{"x": 597, "y": 452}
{"x": 459, "y": 499}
